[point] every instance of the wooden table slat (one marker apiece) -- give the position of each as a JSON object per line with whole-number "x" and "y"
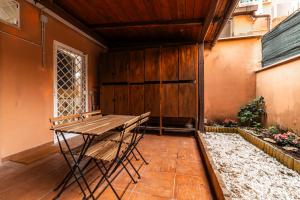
{"x": 95, "y": 125}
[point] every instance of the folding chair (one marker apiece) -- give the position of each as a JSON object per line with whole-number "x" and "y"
{"x": 140, "y": 131}
{"x": 71, "y": 151}
{"x": 114, "y": 153}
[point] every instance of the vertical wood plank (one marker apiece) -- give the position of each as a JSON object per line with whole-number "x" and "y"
{"x": 137, "y": 67}
{"x": 107, "y": 68}
{"x": 201, "y": 87}
{"x": 187, "y": 63}
{"x": 152, "y": 99}
{"x": 169, "y": 64}
{"x": 152, "y": 64}
{"x": 107, "y": 99}
{"x": 121, "y": 99}
{"x": 187, "y": 100}
{"x": 160, "y": 91}
{"x": 121, "y": 66}
{"x": 136, "y": 99}
{"x": 170, "y": 100}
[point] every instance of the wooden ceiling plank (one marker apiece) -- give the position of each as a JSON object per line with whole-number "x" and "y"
{"x": 148, "y": 23}
{"x": 230, "y": 9}
{"x": 208, "y": 20}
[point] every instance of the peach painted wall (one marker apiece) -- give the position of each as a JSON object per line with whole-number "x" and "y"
{"x": 247, "y": 25}
{"x": 26, "y": 93}
{"x": 280, "y": 86}
{"x": 229, "y": 76}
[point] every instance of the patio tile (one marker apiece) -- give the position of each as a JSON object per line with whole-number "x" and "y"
{"x": 184, "y": 167}
{"x": 157, "y": 184}
{"x": 143, "y": 196}
{"x": 191, "y": 188}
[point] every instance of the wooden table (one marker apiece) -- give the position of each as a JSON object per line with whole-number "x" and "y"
{"x": 94, "y": 125}
{"x": 89, "y": 128}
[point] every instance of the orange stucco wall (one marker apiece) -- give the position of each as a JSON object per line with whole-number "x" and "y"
{"x": 247, "y": 25}
{"x": 281, "y": 88}
{"x": 229, "y": 76}
{"x": 26, "y": 88}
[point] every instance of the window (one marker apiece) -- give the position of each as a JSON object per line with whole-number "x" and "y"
{"x": 243, "y": 3}
{"x": 10, "y": 12}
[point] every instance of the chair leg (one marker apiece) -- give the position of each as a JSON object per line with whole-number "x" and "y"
{"x": 107, "y": 180}
{"x": 136, "y": 158}
{"x": 128, "y": 173}
{"x": 136, "y": 171}
{"x": 147, "y": 163}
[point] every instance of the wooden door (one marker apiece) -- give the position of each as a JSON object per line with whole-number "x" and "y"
{"x": 121, "y": 66}
{"x": 137, "y": 67}
{"x": 136, "y": 99}
{"x": 187, "y": 63}
{"x": 187, "y": 100}
{"x": 152, "y": 99}
{"x": 169, "y": 64}
{"x": 121, "y": 100}
{"x": 169, "y": 100}
{"x": 107, "y": 99}
{"x": 152, "y": 64}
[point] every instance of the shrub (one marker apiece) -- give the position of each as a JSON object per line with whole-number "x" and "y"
{"x": 252, "y": 114}
{"x": 274, "y": 130}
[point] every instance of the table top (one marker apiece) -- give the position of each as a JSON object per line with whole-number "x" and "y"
{"x": 94, "y": 125}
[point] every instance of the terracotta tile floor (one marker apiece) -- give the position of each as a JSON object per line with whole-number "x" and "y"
{"x": 175, "y": 172}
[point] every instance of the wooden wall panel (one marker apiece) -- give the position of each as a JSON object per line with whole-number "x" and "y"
{"x": 107, "y": 68}
{"x": 152, "y": 63}
{"x": 107, "y": 99}
{"x": 187, "y": 63}
{"x": 121, "y": 99}
{"x": 121, "y": 66}
{"x": 137, "y": 67}
{"x": 136, "y": 99}
{"x": 169, "y": 100}
{"x": 187, "y": 100}
{"x": 169, "y": 64}
{"x": 152, "y": 99}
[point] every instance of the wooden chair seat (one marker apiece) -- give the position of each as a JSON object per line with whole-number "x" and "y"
{"x": 104, "y": 150}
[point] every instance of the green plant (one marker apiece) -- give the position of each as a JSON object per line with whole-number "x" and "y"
{"x": 252, "y": 114}
{"x": 274, "y": 130}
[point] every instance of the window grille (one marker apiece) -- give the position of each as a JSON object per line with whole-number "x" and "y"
{"x": 71, "y": 84}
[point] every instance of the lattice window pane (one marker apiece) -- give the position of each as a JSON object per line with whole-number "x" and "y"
{"x": 71, "y": 82}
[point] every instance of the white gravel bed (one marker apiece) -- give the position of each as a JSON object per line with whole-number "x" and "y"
{"x": 248, "y": 172}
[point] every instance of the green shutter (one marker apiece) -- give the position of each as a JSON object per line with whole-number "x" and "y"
{"x": 282, "y": 42}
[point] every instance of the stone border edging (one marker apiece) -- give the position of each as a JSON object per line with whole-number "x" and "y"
{"x": 268, "y": 148}
{"x": 218, "y": 185}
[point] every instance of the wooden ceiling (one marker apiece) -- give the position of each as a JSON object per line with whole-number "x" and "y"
{"x": 118, "y": 23}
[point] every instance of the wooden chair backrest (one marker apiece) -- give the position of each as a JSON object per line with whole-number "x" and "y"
{"x": 91, "y": 114}
{"x": 131, "y": 124}
{"x": 56, "y": 121}
{"x": 144, "y": 117}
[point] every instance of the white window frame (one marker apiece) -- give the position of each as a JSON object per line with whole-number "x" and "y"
{"x": 18, "y": 17}
{"x": 56, "y": 45}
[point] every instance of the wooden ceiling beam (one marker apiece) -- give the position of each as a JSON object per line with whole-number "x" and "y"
{"x": 51, "y": 5}
{"x": 229, "y": 11}
{"x": 208, "y": 20}
{"x": 187, "y": 22}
